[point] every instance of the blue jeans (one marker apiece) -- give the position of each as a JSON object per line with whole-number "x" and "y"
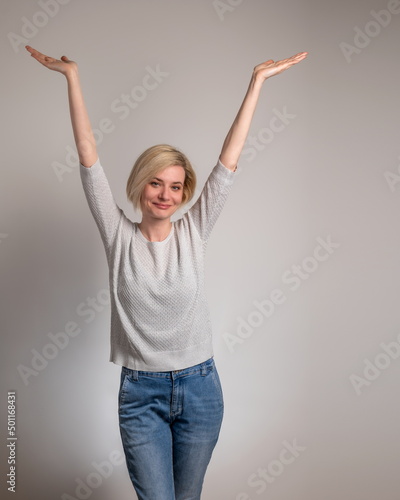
{"x": 169, "y": 424}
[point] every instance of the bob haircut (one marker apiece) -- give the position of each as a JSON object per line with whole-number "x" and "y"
{"x": 152, "y": 161}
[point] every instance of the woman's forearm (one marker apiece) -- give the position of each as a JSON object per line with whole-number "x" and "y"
{"x": 239, "y": 130}
{"x": 84, "y": 138}
{"x": 83, "y": 133}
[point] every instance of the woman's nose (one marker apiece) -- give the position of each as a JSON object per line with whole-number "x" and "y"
{"x": 163, "y": 195}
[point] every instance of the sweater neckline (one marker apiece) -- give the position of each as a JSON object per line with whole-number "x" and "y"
{"x": 165, "y": 240}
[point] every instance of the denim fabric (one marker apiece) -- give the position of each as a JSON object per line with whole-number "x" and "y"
{"x": 169, "y": 424}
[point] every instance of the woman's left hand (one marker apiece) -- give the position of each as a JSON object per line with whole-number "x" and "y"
{"x": 271, "y": 68}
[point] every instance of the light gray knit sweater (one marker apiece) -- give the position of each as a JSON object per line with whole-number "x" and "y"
{"x": 159, "y": 312}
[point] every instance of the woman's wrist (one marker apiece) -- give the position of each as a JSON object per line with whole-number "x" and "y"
{"x": 72, "y": 75}
{"x": 257, "y": 79}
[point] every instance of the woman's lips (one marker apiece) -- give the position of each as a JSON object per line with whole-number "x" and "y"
{"x": 163, "y": 207}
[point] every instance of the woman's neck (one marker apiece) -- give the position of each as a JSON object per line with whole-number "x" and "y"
{"x": 157, "y": 230}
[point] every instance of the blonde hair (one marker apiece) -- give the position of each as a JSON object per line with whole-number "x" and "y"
{"x": 152, "y": 161}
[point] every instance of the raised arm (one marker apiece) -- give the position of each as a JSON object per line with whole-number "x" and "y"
{"x": 84, "y": 138}
{"x": 239, "y": 130}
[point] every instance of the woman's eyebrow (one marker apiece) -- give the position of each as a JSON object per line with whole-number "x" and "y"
{"x": 160, "y": 180}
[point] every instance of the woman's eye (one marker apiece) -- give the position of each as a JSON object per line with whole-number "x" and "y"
{"x": 176, "y": 188}
{"x": 154, "y": 183}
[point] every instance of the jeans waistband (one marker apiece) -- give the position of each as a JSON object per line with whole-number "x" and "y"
{"x": 202, "y": 368}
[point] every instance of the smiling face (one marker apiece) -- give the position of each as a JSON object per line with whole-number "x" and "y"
{"x": 162, "y": 195}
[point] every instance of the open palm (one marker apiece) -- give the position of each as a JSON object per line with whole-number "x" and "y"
{"x": 271, "y": 68}
{"x": 63, "y": 65}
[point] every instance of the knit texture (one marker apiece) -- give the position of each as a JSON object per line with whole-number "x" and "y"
{"x": 159, "y": 313}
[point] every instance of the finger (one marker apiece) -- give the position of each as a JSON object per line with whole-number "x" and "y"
{"x": 42, "y": 58}
{"x": 300, "y": 55}
{"x": 30, "y": 49}
{"x": 34, "y": 52}
{"x": 294, "y": 59}
{"x": 38, "y": 56}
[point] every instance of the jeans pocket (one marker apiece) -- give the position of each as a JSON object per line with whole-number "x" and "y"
{"x": 217, "y": 383}
{"x": 124, "y": 381}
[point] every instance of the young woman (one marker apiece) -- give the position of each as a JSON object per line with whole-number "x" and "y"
{"x": 170, "y": 400}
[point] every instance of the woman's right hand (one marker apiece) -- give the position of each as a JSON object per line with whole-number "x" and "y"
{"x": 63, "y": 65}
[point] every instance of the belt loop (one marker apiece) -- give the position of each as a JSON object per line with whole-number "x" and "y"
{"x": 204, "y": 369}
{"x": 135, "y": 375}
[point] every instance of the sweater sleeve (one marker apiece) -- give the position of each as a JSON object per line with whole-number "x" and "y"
{"x": 105, "y": 211}
{"x": 206, "y": 210}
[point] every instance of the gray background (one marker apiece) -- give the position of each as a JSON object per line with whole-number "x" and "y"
{"x": 329, "y": 172}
